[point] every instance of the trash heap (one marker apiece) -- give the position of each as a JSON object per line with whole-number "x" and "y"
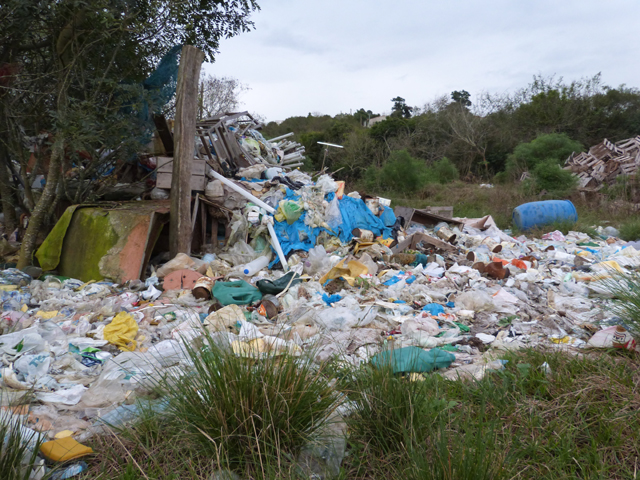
{"x": 357, "y": 283}
{"x": 603, "y": 163}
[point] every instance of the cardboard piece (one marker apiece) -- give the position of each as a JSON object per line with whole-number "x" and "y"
{"x": 422, "y": 217}
{"x": 412, "y": 241}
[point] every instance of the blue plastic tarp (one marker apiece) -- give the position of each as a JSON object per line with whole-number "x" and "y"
{"x": 355, "y": 214}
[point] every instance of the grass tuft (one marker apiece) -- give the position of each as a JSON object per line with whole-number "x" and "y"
{"x": 247, "y": 413}
{"x": 630, "y": 231}
{"x": 19, "y": 447}
{"x": 625, "y": 289}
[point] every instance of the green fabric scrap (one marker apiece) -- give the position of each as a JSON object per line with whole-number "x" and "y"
{"x": 449, "y": 348}
{"x": 413, "y": 359}
{"x": 462, "y": 327}
{"x": 421, "y": 259}
{"x": 49, "y": 252}
{"x": 236, "y": 293}
{"x": 588, "y": 244}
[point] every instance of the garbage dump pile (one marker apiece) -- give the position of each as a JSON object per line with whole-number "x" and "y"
{"x": 357, "y": 283}
{"x": 603, "y": 163}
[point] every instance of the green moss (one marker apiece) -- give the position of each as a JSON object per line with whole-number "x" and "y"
{"x": 89, "y": 238}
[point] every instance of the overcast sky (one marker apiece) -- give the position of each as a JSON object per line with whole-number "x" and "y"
{"x": 334, "y": 56}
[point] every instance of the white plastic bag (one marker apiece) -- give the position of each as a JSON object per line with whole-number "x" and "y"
{"x": 333, "y": 215}
{"x": 33, "y": 367}
{"x": 318, "y": 261}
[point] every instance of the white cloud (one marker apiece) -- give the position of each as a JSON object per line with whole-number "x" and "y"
{"x": 333, "y": 56}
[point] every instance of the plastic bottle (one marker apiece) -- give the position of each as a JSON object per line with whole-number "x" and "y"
{"x": 255, "y": 266}
{"x": 536, "y": 214}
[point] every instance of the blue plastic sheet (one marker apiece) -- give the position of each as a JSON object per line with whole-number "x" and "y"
{"x": 388, "y": 217}
{"x": 434, "y": 309}
{"x": 356, "y": 214}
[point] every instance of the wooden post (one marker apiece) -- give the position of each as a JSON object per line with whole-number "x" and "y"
{"x": 184, "y": 140}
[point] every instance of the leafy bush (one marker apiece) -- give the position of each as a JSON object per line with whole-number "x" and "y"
{"x": 630, "y": 230}
{"x": 372, "y": 177}
{"x": 501, "y": 178}
{"x": 549, "y": 176}
{"x": 444, "y": 171}
{"x": 553, "y": 146}
{"x": 248, "y": 412}
{"x": 401, "y": 173}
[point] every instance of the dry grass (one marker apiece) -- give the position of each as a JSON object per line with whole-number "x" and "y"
{"x": 471, "y": 200}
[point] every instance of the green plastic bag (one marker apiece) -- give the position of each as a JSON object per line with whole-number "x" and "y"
{"x": 236, "y": 293}
{"x": 413, "y": 359}
{"x": 291, "y": 210}
{"x": 269, "y": 287}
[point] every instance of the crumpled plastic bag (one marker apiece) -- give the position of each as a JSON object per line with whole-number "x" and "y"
{"x": 318, "y": 261}
{"x": 290, "y": 211}
{"x": 226, "y": 319}
{"x": 122, "y": 331}
{"x": 349, "y": 272}
{"x": 68, "y": 396}
{"x": 476, "y": 300}
{"x": 327, "y": 184}
{"x": 264, "y": 346}
{"x": 239, "y": 254}
{"x": 179, "y": 262}
{"x": 33, "y": 367}
{"x": 333, "y": 216}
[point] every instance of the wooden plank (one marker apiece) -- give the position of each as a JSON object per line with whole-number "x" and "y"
{"x": 184, "y": 138}
{"x": 198, "y": 182}
{"x": 165, "y": 164}
{"x": 164, "y": 132}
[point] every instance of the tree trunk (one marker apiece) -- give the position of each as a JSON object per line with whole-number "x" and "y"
{"x": 42, "y": 206}
{"x": 184, "y": 139}
{"x": 6, "y": 192}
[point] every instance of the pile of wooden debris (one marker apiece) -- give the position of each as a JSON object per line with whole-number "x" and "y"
{"x": 232, "y": 141}
{"x": 603, "y": 163}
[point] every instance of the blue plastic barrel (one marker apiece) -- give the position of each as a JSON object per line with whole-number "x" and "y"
{"x": 537, "y": 214}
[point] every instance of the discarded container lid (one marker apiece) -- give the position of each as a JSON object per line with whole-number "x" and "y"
{"x": 537, "y": 214}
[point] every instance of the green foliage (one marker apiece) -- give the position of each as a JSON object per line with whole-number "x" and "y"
{"x": 630, "y": 230}
{"x": 499, "y": 426}
{"x": 248, "y": 411}
{"x": 444, "y": 171}
{"x": 400, "y": 108}
{"x": 501, "y": 178}
{"x": 391, "y": 413}
{"x": 402, "y": 172}
{"x": 391, "y": 127}
{"x": 554, "y": 147}
{"x": 461, "y": 97}
{"x": 548, "y": 176}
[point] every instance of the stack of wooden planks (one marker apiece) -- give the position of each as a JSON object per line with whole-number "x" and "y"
{"x": 604, "y": 162}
